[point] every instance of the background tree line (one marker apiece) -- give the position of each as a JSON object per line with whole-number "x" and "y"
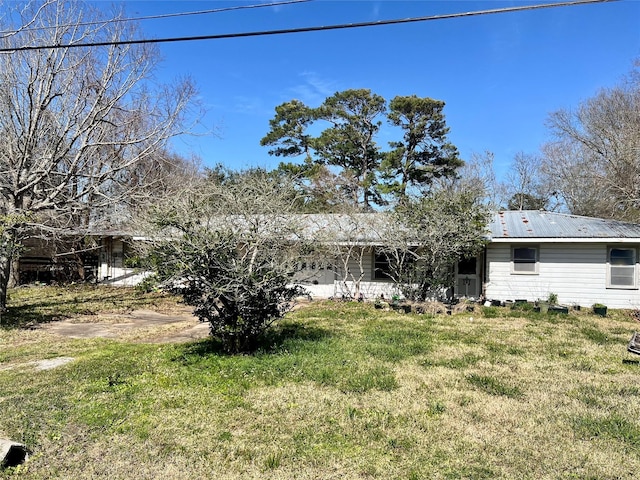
{"x": 591, "y": 164}
{"x": 83, "y": 133}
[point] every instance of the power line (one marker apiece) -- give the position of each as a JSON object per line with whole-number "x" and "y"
{"x": 156, "y": 17}
{"x": 309, "y": 29}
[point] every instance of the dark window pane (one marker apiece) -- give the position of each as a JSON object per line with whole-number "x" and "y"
{"x": 381, "y": 266}
{"x": 622, "y": 256}
{"x": 524, "y": 254}
{"x": 467, "y": 266}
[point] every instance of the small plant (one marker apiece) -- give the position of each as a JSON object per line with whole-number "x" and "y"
{"x": 600, "y": 309}
{"x": 273, "y": 461}
{"x": 522, "y": 305}
{"x": 552, "y": 298}
{"x": 490, "y": 312}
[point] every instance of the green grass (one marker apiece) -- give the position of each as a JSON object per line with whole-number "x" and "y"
{"x": 338, "y": 390}
{"x": 493, "y": 386}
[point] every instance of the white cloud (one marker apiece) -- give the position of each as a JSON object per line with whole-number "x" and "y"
{"x": 247, "y": 105}
{"x": 313, "y": 89}
{"x": 375, "y": 10}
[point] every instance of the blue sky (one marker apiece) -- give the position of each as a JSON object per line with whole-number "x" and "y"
{"x": 500, "y": 75}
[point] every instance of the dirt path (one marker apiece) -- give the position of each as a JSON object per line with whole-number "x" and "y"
{"x": 139, "y": 325}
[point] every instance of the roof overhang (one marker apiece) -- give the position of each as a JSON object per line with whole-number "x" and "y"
{"x": 565, "y": 240}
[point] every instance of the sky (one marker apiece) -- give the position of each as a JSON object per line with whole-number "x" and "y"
{"x": 500, "y": 75}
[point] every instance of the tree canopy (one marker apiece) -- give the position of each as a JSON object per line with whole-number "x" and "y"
{"x": 349, "y": 123}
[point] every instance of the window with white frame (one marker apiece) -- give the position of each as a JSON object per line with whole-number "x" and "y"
{"x": 524, "y": 260}
{"x": 621, "y": 263}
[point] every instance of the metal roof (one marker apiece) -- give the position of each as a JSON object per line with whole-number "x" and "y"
{"x": 537, "y": 224}
{"x": 505, "y": 226}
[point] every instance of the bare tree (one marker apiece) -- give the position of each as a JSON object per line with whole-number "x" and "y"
{"x": 74, "y": 122}
{"x": 595, "y": 158}
{"x": 478, "y": 178}
{"x": 574, "y": 179}
{"x": 431, "y": 234}
{"x": 524, "y": 186}
{"x": 347, "y": 239}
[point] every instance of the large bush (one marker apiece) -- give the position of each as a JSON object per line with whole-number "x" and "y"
{"x": 230, "y": 248}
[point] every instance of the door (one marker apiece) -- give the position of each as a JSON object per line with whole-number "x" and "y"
{"x": 468, "y": 278}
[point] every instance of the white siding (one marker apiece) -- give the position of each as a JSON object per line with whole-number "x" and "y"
{"x": 577, "y": 273}
{"x": 111, "y": 269}
{"x": 359, "y": 279}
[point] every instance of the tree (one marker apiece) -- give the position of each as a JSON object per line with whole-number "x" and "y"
{"x": 348, "y": 146}
{"x": 288, "y": 132}
{"x": 75, "y": 122}
{"x": 574, "y": 179}
{"x": 231, "y": 249}
{"x": 431, "y": 234}
{"x": 478, "y": 178}
{"x": 424, "y": 154}
{"x": 318, "y": 188}
{"x": 524, "y": 186}
{"x": 526, "y": 201}
{"x": 350, "y": 141}
{"x": 594, "y": 160}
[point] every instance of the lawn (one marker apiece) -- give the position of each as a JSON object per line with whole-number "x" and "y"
{"x": 344, "y": 391}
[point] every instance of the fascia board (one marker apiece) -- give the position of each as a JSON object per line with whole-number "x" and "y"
{"x": 565, "y": 240}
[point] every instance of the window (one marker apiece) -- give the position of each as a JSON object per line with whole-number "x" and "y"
{"x": 524, "y": 260}
{"x": 381, "y": 268}
{"x": 622, "y": 267}
{"x": 467, "y": 266}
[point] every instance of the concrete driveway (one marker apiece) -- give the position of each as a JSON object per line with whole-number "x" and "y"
{"x": 139, "y": 325}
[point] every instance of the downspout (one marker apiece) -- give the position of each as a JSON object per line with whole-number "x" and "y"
{"x": 484, "y": 272}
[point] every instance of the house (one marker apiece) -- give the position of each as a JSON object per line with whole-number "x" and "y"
{"x": 582, "y": 260}
{"x": 67, "y": 258}
{"x": 114, "y": 267}
{"x": 348, "y": 266}
{"x": 529, "y": 255}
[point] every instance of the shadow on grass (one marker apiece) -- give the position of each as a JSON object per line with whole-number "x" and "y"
{"x": 628, "y": 361}
{"x": 27, "y": 316}
{"x": 30, "y": 306}
{"x": 273, "y": 341}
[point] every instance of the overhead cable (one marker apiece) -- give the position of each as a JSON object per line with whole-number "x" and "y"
{"x": 307, "y": 29}
{"x": 159, "y": 16}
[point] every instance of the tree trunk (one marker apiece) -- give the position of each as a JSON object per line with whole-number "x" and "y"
{"x": 14, "y": 273}
{"x": 7, "y": 247}
{"x": 5, "y": 273}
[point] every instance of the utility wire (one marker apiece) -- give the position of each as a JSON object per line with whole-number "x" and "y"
{"x": 309, "y": 29}
{"x": 160, "y": 16}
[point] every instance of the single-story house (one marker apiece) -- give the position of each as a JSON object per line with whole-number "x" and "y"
{"x": 529, "y": 255}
